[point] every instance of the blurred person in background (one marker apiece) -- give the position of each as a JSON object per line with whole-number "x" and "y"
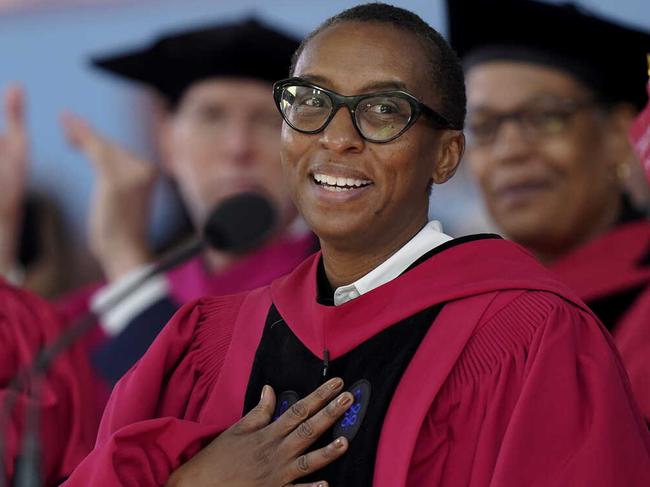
{"x": 32, "y": 241}
{"x": 67, "y": 422}
{"x": 549, "y": 114}
{"x": 218, "y": 135}
{"x": 31, "y": 256}
{"x": 13, "y": 174}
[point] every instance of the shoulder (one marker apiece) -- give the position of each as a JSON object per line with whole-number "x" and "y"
{"x": 16, "y": 297}
{"x": 209, "y": 322}
{"x": 206, "y": 312}
{"x": 623, "y": 246}
{"x": 488, "y": 265}
{"x": 27, "y": 323}
{"x": 516, "y": 324}
{"x": 26, "y": 313}
{"x": 178, "y": 371}
{"x": 530, "y": 308}
{"x": 520, "y": 315}
{"x": 223, "y": 308}
{"x": 75, "y": 303}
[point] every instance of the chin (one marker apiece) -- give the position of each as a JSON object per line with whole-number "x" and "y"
{"x": 520, "y": 223}
{"x": 336, "y": 231}
{"x": 529, "y": 232}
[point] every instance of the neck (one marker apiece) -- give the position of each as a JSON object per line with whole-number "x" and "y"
{"x": 548, "y": 253}
{"x": 217, "y": 261}
{"x": 345, "y": 265}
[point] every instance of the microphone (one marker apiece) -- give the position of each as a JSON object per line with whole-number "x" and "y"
{"x": 240, "y": 223}
{"x": 237, "y": 225}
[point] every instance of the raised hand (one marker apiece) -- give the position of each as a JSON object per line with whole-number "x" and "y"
{"x": 119, "y": 216}
{"x": 14, "y": 155}
{"x": 256, "y": 453}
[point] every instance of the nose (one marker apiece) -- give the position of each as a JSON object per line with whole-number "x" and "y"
{"x": 238, "y": 142}
{"x": 341, "y": 135}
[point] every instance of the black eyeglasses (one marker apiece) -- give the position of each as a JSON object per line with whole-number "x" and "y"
{"x": 378, "y": 117}
{"x": 535, "y": 122}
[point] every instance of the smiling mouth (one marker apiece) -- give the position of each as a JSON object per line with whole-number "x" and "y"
{"x": 335, "y": 183}
{"x": 517, "y": 192}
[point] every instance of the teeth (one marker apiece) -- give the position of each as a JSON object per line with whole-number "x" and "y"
{"x": 340, "y": 183}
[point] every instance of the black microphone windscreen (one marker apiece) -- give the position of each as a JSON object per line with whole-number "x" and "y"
{"x": 240, "y": 223}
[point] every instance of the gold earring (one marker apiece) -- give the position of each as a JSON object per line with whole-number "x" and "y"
{"x": 623, "y": 172}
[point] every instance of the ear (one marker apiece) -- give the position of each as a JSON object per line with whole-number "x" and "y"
{"x": 627, "y": 168}
{"x": 620, "y": 119}
{"x": 451, "y": 147}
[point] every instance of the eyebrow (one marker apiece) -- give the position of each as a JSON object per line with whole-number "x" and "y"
{"x": 370, "y": 87}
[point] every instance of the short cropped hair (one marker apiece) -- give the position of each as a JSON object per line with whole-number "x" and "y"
{"x": 446, "y": 69}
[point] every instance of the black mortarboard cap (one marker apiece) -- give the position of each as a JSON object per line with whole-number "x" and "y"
{"x": 247, "y": 49}
{"x": 608, "y": 57}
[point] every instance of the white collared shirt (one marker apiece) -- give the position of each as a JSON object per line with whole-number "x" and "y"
{"x": 430, "y": 237}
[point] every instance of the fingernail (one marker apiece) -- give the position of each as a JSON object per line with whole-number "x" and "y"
{"x": 335, "y": 383}
{"x": 344, "y": 400}
{"x": 264, "y": 391}
{"x": 339, "y": 443}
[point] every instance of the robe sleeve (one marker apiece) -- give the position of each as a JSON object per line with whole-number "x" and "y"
{"x": 632, "y": 337}
{"x": 67, "y": 426}
{"x": 538, "y": 398}
{"x": 150, "y": 425}
{"x": 575, "y": 421}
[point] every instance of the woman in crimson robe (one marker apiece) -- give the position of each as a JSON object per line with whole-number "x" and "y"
{"x": 68, "y": 425}
{"x": 468, "y": 363}
{"x": 548, "y": 122}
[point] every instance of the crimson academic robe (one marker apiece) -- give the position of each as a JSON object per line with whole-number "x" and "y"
{"x": 514, "y": 383}
{"x": 612, "y": 275}
{"x": 68, "y": 426}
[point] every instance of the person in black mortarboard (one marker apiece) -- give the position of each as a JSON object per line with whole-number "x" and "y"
{"x": 218, "y": 136}
{"x": 552, "y": 91}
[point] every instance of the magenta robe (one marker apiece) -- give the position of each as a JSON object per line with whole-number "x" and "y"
{"x": 192, "y": 280}
{"x": 515, "y": 383}
{"x": 606, "y": 266}
{"x": 68, "y": 426}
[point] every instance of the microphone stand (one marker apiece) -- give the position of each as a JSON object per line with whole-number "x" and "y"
{"x": 29, "y": 463}
{"x": 223, "y": 230}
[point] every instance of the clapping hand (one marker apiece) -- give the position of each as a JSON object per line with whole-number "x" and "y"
{"x": 119, "y": 216}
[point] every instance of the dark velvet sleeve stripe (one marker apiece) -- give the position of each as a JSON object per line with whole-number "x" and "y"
{"x": 118, "y": 355}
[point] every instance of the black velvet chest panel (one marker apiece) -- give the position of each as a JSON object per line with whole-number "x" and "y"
{"x": 283, "y": 362}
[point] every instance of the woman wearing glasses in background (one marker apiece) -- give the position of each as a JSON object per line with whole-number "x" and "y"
{"x": 548, "y": 121}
